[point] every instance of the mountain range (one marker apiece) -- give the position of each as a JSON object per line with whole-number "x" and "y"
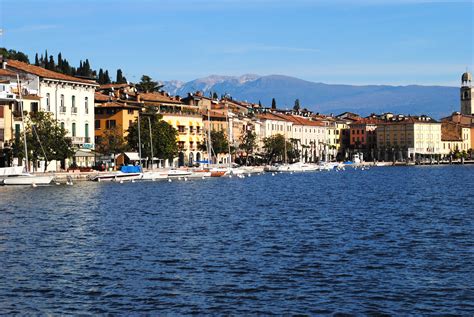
{"x": 435, "y": 101}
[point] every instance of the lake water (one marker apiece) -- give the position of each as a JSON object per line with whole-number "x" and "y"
{"x": 394, "y": 240}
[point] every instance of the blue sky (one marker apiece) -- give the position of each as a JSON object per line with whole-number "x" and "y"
{"x": 333, "y": 41}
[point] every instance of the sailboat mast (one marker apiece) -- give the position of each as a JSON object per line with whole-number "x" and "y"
{"x": 228, "y": 143}
{"x": 151, "y": 142}
{"x": 209, "y": 143}
{"x": 23, "y": 122}
{"x": 139, "y": 141}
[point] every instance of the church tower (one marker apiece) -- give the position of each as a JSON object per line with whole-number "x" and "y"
{"x": 467, "y": 104}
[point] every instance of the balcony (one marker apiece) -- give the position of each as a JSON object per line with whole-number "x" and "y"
{"x": 62, "y": 109}
{"x": 80, "y": 140}
{"x": 74, "y": 110}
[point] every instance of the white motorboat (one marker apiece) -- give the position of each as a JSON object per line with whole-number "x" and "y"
{"x": 179, "y": 173}
{"x": 116, "y": 177}
{"x": 154, "y": 175}
{"x": 16, "y": 176}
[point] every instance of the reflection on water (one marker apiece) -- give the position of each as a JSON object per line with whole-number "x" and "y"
{"x": 386, "y": 240}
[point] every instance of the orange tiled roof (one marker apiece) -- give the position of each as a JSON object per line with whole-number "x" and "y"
{"x": 101, "y": 97}
{"x": 157, "y": 97}
{"x": 45, "y": 73}
{"x": 114, "y": 104}
{"x": 6, "y": 72}
{"x": 108, "y": 86}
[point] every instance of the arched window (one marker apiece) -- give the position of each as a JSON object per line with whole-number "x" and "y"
{"x": 86, "y": 105}
{"x": 73, "y": 104}
{"x": 73, "y": 129}
{"x": 48, "y": 103}
{"x": 62, "y": 108}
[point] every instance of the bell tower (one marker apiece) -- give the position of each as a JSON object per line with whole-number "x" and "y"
{"x": 467, "y": 104}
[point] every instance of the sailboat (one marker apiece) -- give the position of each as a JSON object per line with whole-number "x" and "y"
{"x": 18, "y": 175}
{"x": 153, "y": 175}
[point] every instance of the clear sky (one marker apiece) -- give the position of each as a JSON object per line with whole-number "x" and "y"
{"x": 332, "y": 41}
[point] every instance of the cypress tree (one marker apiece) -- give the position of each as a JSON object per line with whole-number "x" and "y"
{"x": 52, "y": 64}
{"x": 106, "y": 77}
{"x": 100, "y": 78}
{"x": 37, "y": 60}
{"x": 119, "y": 79}
{"x": 274, "y": 104}
{"x": 60, "y": 63}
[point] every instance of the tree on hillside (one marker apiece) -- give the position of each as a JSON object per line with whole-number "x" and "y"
{"x": 36, "y": 60}
{"x": 119, "y": 77}
{"x": 297, "y": 107}
{"x": 148, "y": 85}
{"x": 164, "y": 137}
{"x": 46, "y": 139}
{"x": 274, "y": 104}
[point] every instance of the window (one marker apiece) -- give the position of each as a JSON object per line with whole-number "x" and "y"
{"x": 62, "y": 108}
{"x": 73, "y": 129}
{"x": 34, "y": 107}
{"x": 62, "y": 125}
{"x": 73, "y": 104}
{"x": 86, "y": 105}
{"x": 97, "y": 124}
{"x": 181, "y": 129}
{"x": 48, "y": 102}
{"x": 86, "y": 132}
{"x": 130, "y": 111}
{"x": 110, "y": 124}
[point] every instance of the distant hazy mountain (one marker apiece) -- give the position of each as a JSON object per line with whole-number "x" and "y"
{"x": 435, "y": 101}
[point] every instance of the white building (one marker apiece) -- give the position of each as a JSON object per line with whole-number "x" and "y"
{"x": 69, "y": 99}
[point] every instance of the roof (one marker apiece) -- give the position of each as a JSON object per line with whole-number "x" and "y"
{"x": 108, "y": 86}
{"x": 367, "y": 121}
{"x": 157, "y": 97}
{"x": 6, "y": 72}
{"x": 411, "y": 120}
{"x": 114, "y": 104}
{"x": 302, "y": 121}
{"x": 101, "y": 97}
{"x": 45, "y": 73}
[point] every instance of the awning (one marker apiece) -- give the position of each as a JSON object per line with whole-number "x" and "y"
{"x": 132, "y": 156}
{"x": 84, "y": 153}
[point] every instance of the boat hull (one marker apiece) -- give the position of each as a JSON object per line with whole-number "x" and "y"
{"x": 27, "y": 180}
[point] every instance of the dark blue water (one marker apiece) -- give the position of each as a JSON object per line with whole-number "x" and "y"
{"x": 384, "y": 241}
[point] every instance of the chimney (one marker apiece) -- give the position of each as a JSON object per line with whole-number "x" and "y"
{"x": 4, "y": 62}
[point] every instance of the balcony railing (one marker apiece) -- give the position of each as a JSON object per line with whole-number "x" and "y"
{"x": 74, "y": 110}
{"x": 80, "y": 140}
{"x": 62, "y": 109}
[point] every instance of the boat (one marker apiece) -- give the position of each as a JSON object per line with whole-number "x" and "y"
{"x": 154, "y": 175}
{"x": 17, "y": 176}
{"x": 200, "y": 173}
{"x": 126, "y": 173}
{"x": 179, "y": 173}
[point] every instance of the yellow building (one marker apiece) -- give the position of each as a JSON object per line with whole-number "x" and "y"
{"x": 408, "y": 137}
{"x": 190, "y": 136}
{"x": 114, "y": 115}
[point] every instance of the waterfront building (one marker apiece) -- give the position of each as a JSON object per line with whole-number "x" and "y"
{"x": 464, "y": 120}
{"x": 455, "y": 137}
{"x": 69, "y": 99}
{"x": 363, "y": 137}
{"x": 310, "y": 138}
{"x": 408, "y": 137}
{"x": 185, "y": 118}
